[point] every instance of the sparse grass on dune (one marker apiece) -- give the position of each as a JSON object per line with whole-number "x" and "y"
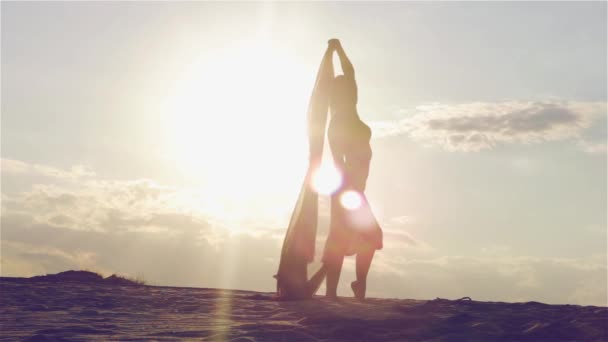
{"x": 92, "y": 276}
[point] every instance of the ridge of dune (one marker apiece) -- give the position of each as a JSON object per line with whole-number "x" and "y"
{"x": 39, "y": 309}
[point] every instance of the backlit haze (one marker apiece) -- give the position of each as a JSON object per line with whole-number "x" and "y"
{"x": 168, "y": 141}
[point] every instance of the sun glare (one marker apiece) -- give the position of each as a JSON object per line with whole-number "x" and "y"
{"x": 238, "y": 122}
{"x": 350, "y": 200}
{"x": 327, "y": 179}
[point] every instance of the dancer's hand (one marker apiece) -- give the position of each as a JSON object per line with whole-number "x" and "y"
{"x": 334, "y": 44}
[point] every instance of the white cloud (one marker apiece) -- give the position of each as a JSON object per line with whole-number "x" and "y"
{"x": 105, "y": 206}
{"x": 494, "y": 277}
{"x": 140, "y": 227}
{"x": 128, "y": 227}
{"x": 483, "y": 125}
{"x": 401, "y": 220}
{"x": 494, "y": 250}
{"x": 75, "y": 199}
{"x": 399, "y": 238}
{"x": 13, "y": 166}
{"x": 32, "y": 259}
{"x": 593, "y": 147}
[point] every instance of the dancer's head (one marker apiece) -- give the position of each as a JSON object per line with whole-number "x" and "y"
{"x": 343, "y": 93}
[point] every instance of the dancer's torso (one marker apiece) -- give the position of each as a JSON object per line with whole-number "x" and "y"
{"x": 349, "y": 130}
{"x": 349, "y": 137}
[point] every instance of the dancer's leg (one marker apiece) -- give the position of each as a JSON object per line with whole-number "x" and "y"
{"x": 334, "y": 267}
{"x": 364, "y": 261}
{"x": 314, "y": 283}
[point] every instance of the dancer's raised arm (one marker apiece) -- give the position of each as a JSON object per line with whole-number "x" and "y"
{"x": 347, "y": 66}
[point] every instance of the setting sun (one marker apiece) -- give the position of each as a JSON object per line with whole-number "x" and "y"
{"x": 237, "y": 120}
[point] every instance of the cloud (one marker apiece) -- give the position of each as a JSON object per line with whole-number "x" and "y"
{"x": 180, "y": 259}
{"x": 129, "y": 227}
{"x": 29, "y": 260}
{"x": 494, "y": 277}
{"x": 483, "y": 125}
{"x": 68, "y": 200}
{"x": 105, "y": 206}
{"x": 593, "y": 147}
{"x": 496, "y": 250}
{"x": 13, "y": 166}
{"x": 401, "y": 220}
{"x": 166, "y": 235}
{"x": 399, "y": 238}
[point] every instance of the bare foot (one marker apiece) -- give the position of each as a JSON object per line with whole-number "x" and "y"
{"x": 333, "y": 298}
{"x": 331, "y": 295}
{"x": 358, "y": 290}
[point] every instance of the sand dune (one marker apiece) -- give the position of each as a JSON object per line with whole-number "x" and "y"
{"x": 45, "y": 309}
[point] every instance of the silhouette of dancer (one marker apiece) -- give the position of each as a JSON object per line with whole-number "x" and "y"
{"x": 353, "y": 227}
{"x": 353, "y": 230}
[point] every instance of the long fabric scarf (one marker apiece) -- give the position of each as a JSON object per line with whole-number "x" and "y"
{"x": 299, "y": 244}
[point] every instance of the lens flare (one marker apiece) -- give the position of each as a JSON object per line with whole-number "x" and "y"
{"x": 327, "y": 179}
{"x": 351, "y": 200}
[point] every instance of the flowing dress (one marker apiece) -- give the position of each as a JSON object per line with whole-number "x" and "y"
{"x": 353, "y": 227}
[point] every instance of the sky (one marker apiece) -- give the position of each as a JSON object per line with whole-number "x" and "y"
{"x": 166, "y": 141}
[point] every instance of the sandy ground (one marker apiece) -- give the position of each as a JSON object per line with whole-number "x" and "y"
{"x": 86, "y": 311}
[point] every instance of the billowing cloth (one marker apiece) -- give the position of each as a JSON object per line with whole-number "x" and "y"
{"x": 299, "y": 243}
